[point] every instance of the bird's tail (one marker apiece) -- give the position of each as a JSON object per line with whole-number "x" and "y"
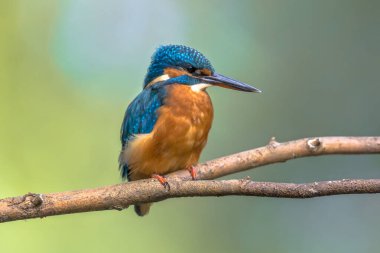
{"x": 142, "y": 209}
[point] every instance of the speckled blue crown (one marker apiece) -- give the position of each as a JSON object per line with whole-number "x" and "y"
{"x": 175, "y": 56}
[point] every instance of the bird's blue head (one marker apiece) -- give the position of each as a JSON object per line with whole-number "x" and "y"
{"x": 184, "y": 65}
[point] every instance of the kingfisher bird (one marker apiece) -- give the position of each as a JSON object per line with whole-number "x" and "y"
{"x": 166, "y": 126}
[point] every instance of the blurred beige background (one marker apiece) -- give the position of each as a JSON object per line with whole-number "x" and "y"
{"x": 68, "y": 70}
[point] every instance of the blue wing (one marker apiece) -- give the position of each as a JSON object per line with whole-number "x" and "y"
{"x": 140, "y": 117}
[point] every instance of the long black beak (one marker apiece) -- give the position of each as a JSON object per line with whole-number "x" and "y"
{"x": 226, "y": 82}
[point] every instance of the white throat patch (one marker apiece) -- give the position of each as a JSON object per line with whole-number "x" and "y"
{"x": 200, "y": 87}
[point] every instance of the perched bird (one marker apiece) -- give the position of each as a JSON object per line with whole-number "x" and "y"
{"x": 166, "y": 126}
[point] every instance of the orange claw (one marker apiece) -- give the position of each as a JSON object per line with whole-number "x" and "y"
{"x": 192, "y": 172}
{"x": 162, "y": 180}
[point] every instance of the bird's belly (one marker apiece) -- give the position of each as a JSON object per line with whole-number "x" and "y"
{"x": 156, "y": 154}
{"x": 182, "y": 149}
{"x": 176, "y": 141}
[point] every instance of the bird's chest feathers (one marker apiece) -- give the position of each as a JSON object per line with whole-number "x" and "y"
{"x": 184, "y": 102}
{"x": 185, "y": 119}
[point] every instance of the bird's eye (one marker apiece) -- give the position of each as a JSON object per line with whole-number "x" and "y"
{"x": 191, "y": 69}
{"x": 194, "y": 71}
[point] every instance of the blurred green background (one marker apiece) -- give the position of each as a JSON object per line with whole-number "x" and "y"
{"x": 68, "y": 70}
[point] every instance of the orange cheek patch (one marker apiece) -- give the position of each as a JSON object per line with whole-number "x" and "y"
{"x": 206, "y": 72}
{"x": 171, "y": 72}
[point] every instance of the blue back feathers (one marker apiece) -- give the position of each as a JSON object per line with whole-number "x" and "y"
{"x": 175, "y": 56}
{"x": 140, "y": 117}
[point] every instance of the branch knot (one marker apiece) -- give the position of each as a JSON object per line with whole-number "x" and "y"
{"x": 314, "y": 144}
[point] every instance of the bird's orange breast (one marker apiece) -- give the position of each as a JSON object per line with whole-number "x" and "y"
{"x": 178, "y": 136}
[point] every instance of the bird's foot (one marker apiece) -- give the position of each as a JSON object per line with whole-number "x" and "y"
{"x": 192, "y": 172}
{"x": 162, "y": 180}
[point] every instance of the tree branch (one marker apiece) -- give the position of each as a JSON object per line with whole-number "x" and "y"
{"x": 122, "y": 195}
{"x": 276, "y": 152}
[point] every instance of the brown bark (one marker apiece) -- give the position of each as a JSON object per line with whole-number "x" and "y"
{"x": 122, "y": 195}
